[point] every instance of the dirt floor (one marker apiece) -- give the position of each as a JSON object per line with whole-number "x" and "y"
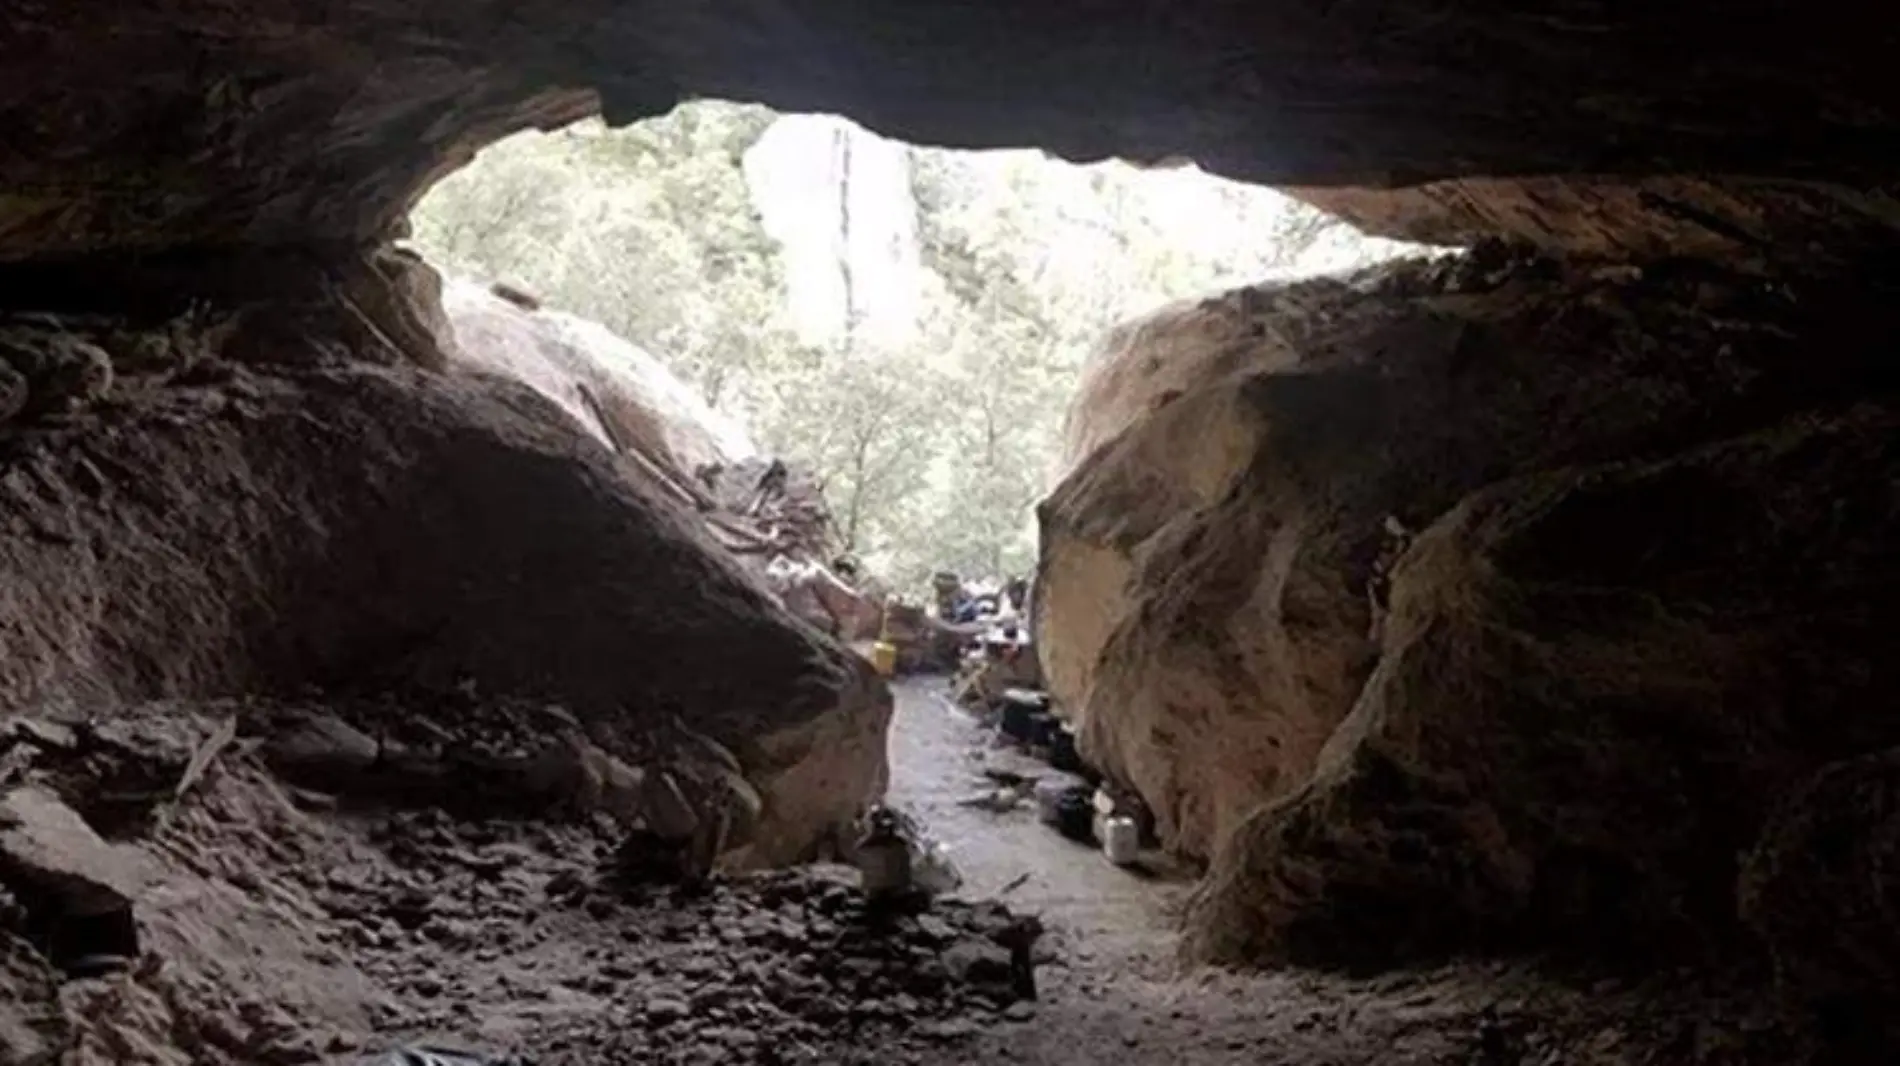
{"x": 290, "y": 925}
{"x": 1114, "y": 992}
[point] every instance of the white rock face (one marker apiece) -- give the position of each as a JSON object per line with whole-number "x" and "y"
{"x": 838, "y": 199}
{"x": 559, "y": 355}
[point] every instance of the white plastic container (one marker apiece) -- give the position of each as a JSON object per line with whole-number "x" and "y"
{"x": 1121, "y": 840}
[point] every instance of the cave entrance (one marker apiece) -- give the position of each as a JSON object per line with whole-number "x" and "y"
{"x": 906, "y": 324}
{"x": 895, "y": 333}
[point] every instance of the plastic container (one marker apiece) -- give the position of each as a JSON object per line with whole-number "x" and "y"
{"x": 1062, "y": 752}
{"x": 884, "y": 658}
{"x": 883, "y": 858}
{"x": 1049, "y": 793}
{"x": 1018, "y": 721}
{"x": 1075, "y": 815}
{"x": 1121, "y": 839}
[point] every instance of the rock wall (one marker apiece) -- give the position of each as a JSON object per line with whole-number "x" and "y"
{"x": 346, "y": 528}
{"x": 1819, "y": 890}
{"x": 1643, "y": 599}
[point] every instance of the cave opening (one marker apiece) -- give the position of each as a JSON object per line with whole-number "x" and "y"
{"x": 900, "y": 333}
{"x": 906, "y": 326}
{"x": 1507, "y": 633}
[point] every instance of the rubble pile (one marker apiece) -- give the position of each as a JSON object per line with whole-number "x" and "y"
{"x": 766, "y": 507}
{"x": 412, "y": 926}
{"x": 790, "y": 967}
{"x": 745, "y": 970}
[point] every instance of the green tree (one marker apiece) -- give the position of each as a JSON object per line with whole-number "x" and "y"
{"x": 934, "y": 451}
{"x": 649, "y": 230}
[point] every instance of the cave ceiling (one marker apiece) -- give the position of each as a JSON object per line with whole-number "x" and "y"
{"x": 1613, "y": 126}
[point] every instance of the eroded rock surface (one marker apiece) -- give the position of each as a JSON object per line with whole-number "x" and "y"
{"x": 1593, "y": 686}
{"x": 291, "y": 125}
{"x": 33, "y": 1031}
{"x": 1821, "y": 888}
{"x": 1562, "y": 712}
{"x": 356, "y": 529}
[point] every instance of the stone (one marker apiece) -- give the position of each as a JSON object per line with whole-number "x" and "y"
{"x": 15, "y": 393}
{"x": 661, "y": 1011}
{"x": 948, "y": 1031}
{"x": 61, "y": 372}
{"x": 319, "y": 745}
{"x": 1593, "y": 796}
{"x": 807, "y": 718}
{"x": 48, "y": 849}
{"x": 1794, "y": 101}
{"x": 978, "y": 962}
{"x": 34, "y": 1030}
{"x": 1208, "y": 615}
{"x": 50, "y": 735}
{"x": 561, "y": 357}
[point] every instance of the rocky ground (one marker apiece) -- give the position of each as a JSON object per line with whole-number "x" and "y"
{"x": 1114, "y": 991}
{"x": 283, "y": 924}
{"x": 279, "y": 924}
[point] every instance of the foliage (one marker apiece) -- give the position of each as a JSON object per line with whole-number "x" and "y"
{"x": 934, "y": 451}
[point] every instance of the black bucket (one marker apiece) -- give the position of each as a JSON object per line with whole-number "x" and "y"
{"x": 1062, "y": 752}
{"x": 1019, "y": 721}
{"x": 1075, "y": 814}
{"x": 1046, "y": 730}
{"x": 1040, "y": 723}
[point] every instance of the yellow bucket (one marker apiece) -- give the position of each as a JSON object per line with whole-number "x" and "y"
{"x": 884, "y": 658}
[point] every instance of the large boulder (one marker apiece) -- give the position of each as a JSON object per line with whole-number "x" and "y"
{"x": 1594, "y": 686}
{"x": 1217, "y": 569}
{"x": 618, "y": 391}
{"x": 362, "y": 529}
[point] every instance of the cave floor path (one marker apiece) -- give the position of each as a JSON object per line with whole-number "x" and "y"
{"x": 1114, "y": 992}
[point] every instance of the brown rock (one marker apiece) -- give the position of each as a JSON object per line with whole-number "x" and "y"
{"x": 360, "y": 509}
{"x": 323, "y": 127}
{"x": 1580, "y": 716}
{"x": 1821, "y": 889}
{"x": 15, "y": 392}
{"x": 1210, "y": 573}
{"x": 58, "y": 372}
{"x": 320, "y": 745}
{"x": 562, "y": 356}
{"x": 48, "y": 850}
{"x": 33, "y": 1029}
